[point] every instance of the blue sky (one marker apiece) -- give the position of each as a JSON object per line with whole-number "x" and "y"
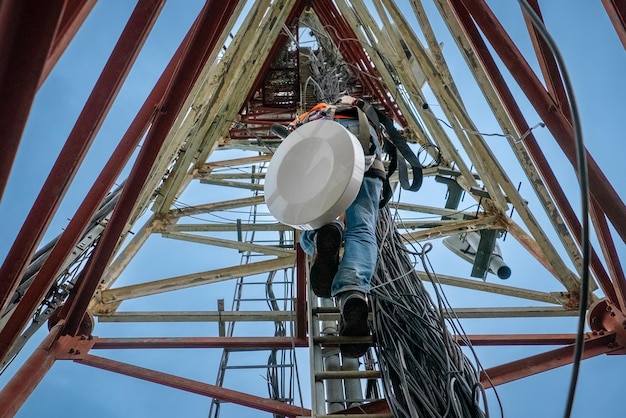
{"x": 596, "y": 62}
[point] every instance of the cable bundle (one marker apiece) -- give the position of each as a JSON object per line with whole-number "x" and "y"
{"x": 425, "y": 373}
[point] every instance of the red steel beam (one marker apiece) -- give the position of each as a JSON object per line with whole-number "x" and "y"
{"x": 77, "y": 145}
{"x": 77, "y": 224}
{"x": 599, "y": 186}
{"x": 301, "y": 299}
{"x": 26, "y": 379}
{"x": 74, "y": 15}
{"x": 539, "y": 159}
{"x": 193, "y": 386}
{"x": 604, "y": 316}
{"x": 252, "y": 343}
{"x": 547, "y": 63}
{"x": 518, "y": 339}
{"x": 212, "y": 20}
{"x": 554, "y": 83}
{"x": 593, "y": 346}
{"x": 610, "y": 254}
{"x": 27, "y": 29}
{"x": 616, "y": 9}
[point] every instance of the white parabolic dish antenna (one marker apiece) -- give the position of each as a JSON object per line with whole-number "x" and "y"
{"x": 314, "y": 175}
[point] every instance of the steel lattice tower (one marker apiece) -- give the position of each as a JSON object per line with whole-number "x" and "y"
{"x": 172, "y": 271}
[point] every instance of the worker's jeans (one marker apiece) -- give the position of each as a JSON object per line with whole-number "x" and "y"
{"x": 360, "y": 249}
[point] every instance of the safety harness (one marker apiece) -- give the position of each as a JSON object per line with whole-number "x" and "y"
{"x": 389, "y": 138}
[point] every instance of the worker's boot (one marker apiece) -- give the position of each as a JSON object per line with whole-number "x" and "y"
{"x": 326, "y": 258}
{"x": 354, "y": 322}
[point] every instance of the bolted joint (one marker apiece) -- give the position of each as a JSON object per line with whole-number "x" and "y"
{"x": 604, "y": 316}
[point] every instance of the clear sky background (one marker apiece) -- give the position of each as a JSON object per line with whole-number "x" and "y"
{"x": 596, "y": 62}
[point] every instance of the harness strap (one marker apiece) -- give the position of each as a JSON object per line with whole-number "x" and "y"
{"x": 364, "y": 131}
{"x": 399, "y": 151}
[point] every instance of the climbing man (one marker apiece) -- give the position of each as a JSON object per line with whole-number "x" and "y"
{"x": 348, "y": 279}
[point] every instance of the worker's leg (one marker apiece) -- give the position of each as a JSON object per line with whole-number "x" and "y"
{"x": 307, "y": 242}
{"x": 360, "y": 248}
{"x": 324, "y": 244}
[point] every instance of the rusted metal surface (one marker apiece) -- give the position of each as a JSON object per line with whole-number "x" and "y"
{"x": 204, "y": 39}
{"x": 518, "y": 339}
{"x": 77, "y": 224}
{"x": 200, "y": 388}
{"x": 611, "y": 256}
{"x": 301, "y": 300}
{"x": 594, "y": 345}
{"x": 607, "y": 320}
{"x": 23, "y": 53}
{"x": 616, "y": 9}
{"x": 606, "y": 316}
{"x": 562, "y": 130}
{"x": 539, "y": 159}
{"x": 554, "y": 83}
{"x": 251, "y": 343}
{"x": 26, "y": 379}
{"x": 547, "y": 62}
{"x": 74, "y": 14}
{"x": 77, "y": 145}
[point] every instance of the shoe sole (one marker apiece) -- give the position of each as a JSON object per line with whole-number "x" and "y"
{"x": 326, "y": 262}
{"x": 354, "y": 324}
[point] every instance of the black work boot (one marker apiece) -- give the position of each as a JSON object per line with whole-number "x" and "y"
{"x": 326, "y": 258}
{"x": 354, "y": 322}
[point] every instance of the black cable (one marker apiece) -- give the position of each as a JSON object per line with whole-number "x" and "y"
{"x": 425, "y": 372}
{"x": 584, "y": 191}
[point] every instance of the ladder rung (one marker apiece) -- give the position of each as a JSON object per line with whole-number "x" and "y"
{"x": 335, "y": 339}
{"x": 385, "y": 415}
{"x": 259, "y": 366}
{"x": 325, "y": 309}
{"x": 347, "y": 374}
{"x": 350, "y": 401}
{"x": 329, "y": 310}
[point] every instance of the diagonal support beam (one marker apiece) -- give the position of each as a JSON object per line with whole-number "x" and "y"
{"x": 494, "y": 288}
{"x": 207, "y": 30}
{"x": 518, "y": 339}
{"x": 78, "y": 142}
{"x": 193, "y": 386}
{"x": 529, "y": 154}
{"x": 236, "y": 343}
{"x": 599, "y": 186}
{"x": 217, "y": 206}
{"x": 23, "y": 53}
{"x": 74, "y": 14}
{"x": 616, "y": 10}
{"x": 227, "y": 243}
{"x": 196, "y": 279}
{"x": 593, "y": 346}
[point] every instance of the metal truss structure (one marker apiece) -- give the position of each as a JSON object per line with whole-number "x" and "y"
{"x": 187, "y": 224}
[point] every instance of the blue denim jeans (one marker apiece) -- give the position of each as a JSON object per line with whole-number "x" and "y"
{"x": 360, "y": 248}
